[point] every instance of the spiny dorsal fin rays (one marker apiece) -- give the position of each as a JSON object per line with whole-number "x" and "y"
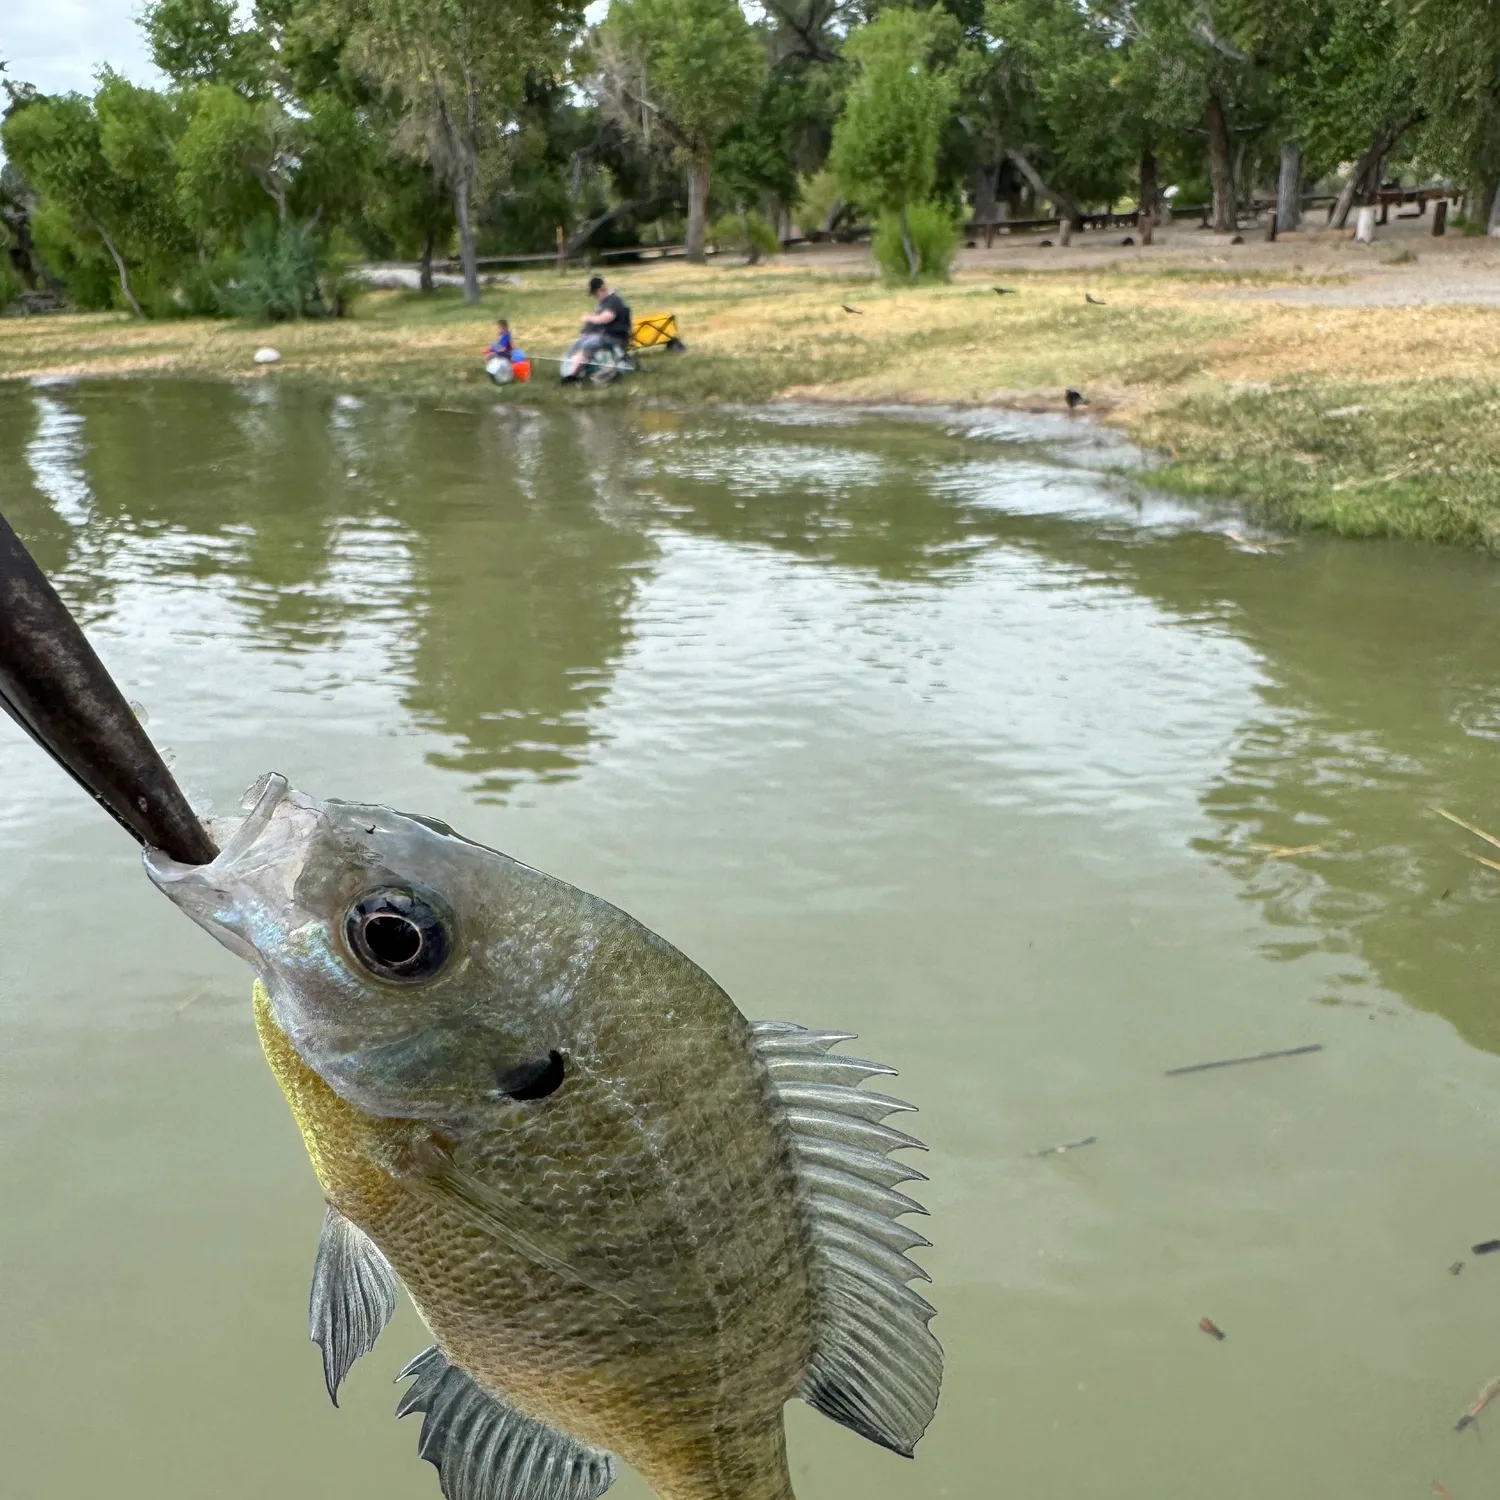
{"x": 796, "y": 1093}
{"x": 878, "y": 1226}
{"x": 867, "y": 1164}
{"x": 829, "y": 1067}
{"x": 773, "y": 1037}
{"x": 850, "y": 1129}
{"x": 353, "y": 1297}
{"x": 486, "y": 1450}
{"x": 836, "y": 1182}
{"x": 876, "y": 1367}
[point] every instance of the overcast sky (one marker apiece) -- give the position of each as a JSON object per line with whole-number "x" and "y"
{"x": 60, "y": 44}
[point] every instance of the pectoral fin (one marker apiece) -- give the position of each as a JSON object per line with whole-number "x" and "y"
{"x": 485, "y": 1450}
{"x": 353, "y": 1297}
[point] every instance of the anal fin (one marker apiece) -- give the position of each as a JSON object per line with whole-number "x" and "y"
{"x": 353, "y": 1297}
{"x": 485, "y": 1450}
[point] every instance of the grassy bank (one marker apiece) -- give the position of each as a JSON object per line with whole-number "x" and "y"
{"x": 1360, "y": 419}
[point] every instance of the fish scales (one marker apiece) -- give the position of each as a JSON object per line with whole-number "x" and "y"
{"x": 564, "y": 1352}
{"x": 566, "y": 1144}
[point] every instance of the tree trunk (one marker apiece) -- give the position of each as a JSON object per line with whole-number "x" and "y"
{"x": 1492, "y": 227}
{"x": 1289, "y": 187}
{"x": 1064, "y": 205}
{"x": 1226, "y": 218}
{"x": 425, "y": 279}
{"x": 913, "y": 264}
{"x": 461, "y": 183}
{"x": 982, "y": 183}
{"x": 1149, "y": 195}
{"x": 752, "y": 250}
{"x": 697, "y": 224}
{"x": 119, "y": 260}
{"x": 1387, "y": 133}
{"x": 590, "y": 227}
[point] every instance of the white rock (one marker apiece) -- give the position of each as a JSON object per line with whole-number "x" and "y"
{"x": 266, "y": 356}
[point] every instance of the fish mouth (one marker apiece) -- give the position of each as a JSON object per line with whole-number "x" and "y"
{"x": 211, "y": 894}
{"x": 269, "y": 793}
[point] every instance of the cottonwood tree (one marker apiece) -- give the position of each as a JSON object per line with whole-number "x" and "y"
{"x": 885, "y": 144}
{"x": 1452, "y": 48}
{"x": 686, "y": 73}
{"x": 107, "y": 164}
{"x": 205, "y": 41}
{"x": 1093, "y": 79}
{"x": 236, "y": 160}
{"x": 457, "y": 70}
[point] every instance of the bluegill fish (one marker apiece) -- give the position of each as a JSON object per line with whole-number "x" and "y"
{"x": 635, "y": 1223}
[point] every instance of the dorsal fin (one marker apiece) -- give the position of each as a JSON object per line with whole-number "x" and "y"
{"x": 876, "y": 1367}
{"x": 353, "y": 1297}
{"x": 485, "y": 1450}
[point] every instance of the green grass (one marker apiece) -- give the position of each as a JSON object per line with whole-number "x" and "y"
{"x": 1419, "y": 460}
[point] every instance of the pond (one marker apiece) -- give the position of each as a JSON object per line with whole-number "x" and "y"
{"x": 926, "y": 729}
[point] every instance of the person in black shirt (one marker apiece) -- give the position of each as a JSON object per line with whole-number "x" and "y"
{"x": 608, "y": 323}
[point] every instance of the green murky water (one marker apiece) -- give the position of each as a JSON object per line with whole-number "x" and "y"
{"x": 929, "y": 734}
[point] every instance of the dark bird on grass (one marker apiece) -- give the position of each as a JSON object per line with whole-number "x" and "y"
{"x": 1239, "y": 239}
{"x": 849, "y": 309}
{"x": 1127, "y": 240}
{"x": 1091, "y": 298}
{"x": 1047, "y": 243}
{"x": 1003, "y": 291}
{"x": 1075, "y": 399}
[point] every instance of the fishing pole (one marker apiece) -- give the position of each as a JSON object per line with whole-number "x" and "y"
{"x": 55, "y": 687}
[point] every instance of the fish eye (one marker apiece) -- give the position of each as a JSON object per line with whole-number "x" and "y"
{"x": 396, "y": 934}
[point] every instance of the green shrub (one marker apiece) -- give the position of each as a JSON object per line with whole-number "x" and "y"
{"x": 934, "y": 234}
{"x": 747, "y": 233}
{"x": 276, "y": 277}
{"x": 285, "y": 271}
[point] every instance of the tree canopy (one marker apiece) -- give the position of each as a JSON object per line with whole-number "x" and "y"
{"x": 308, "y": 132}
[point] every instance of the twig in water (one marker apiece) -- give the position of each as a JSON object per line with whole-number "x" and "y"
{"x": 1489, "y": 838}
{"x": 1285, "y": 851}
{"x": 1479, "y": 859}
{"x": 1441, "y": 1491}
{"x": 1486, "y": 1247}
{"x": 1234, "y": 1062}
{"x": 1212, "y": 1329}
{"x": 1455, "y": 1268}
{"x": 1088, "y": 1140}
{"x": 1481, "y": 1401}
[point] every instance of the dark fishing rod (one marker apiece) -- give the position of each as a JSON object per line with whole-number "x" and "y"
{"x": 55, "y": 687}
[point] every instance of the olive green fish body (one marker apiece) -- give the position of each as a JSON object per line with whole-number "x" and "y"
{"x": 676, "y": 1357}
{"x": 633, "y": 1222}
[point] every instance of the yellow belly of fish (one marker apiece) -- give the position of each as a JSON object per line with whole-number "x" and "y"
{"x": 696, "y": 1433}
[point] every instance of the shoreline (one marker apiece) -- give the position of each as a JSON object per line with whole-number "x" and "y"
{"x": 1367, "y": 412}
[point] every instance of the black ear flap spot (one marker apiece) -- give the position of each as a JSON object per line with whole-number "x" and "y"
{"x": 534, "y": 1079}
